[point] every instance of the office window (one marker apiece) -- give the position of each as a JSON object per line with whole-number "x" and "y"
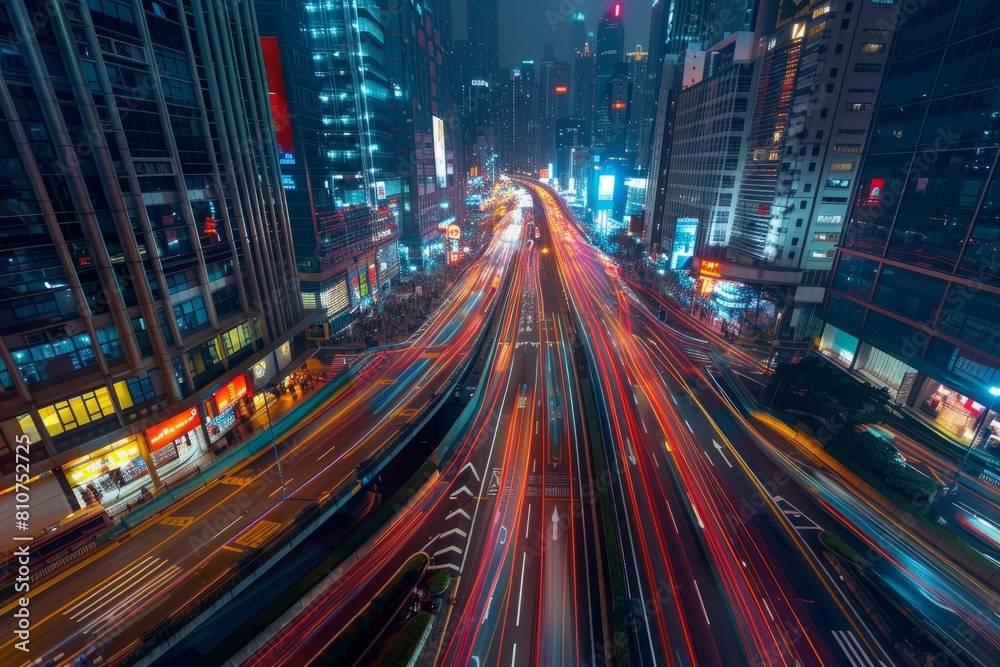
{"x": 855, "y": 276}
{"x": 236, "y": 339}
{"x": 841, "y": 166}
{"x": 858, "y": 106}
{"x": 89, "y": 407}
{"x": 50, "y": 360}
{"x": 5, "y": 379}
{"x": 868, "y": 68}
{"x": 823, "y": 254}
{"x": 191, "y": 315}
{"x": 869, "y": 48}
{"x": 110, "y": 342}
{"x": 134, "y": 391}
{"x": 226, "y": 301}
{"x": 908, "y": 293}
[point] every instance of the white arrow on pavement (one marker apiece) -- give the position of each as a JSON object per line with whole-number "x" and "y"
{"x": 456, "y": 513}
{"x": 472, "y": 468}
{"x": 555, "y": 525}
{"x": 459, "y": 491}
{"x": 454, "y": 531}
{"x": 447, "y": 549}
{"x": 722, "y": 453}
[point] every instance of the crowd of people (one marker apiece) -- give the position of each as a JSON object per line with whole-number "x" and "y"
{"x": 398, "y": 313}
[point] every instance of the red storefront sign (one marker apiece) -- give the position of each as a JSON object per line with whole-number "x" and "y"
{"x": 166, "y": 432}
{"x": 231, "y": 392}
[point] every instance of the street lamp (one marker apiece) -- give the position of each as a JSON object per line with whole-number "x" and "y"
{"x": 770, "y": 349}
{"x": 274, "y": 444}
{"x": 994, "y": 392}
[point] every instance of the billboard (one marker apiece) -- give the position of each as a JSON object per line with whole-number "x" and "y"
{"x": 606, "y": 187}
{"x": 875, "y": 189}
{"x": 440, "y": 162}
{"x": 278, "y": 98}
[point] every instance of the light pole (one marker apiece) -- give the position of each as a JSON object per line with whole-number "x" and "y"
{"x": 994, "y": 392}
{"x": 770, "y": 349}
{"x": 274, "y": 444}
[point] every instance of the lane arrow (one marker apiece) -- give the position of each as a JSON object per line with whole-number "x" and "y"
{"x": 555, "y": 525}
{"x": 722, "y": 453}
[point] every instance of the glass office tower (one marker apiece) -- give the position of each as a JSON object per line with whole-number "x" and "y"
{"x": 914, "y": 301}
{"x": 144, "y": 241}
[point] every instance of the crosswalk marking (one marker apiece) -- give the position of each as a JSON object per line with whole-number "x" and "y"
{"x": 851, "y": 647}
{"x": 112, "y": 600}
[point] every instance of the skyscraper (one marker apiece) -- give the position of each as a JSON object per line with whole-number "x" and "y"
{"x": 147, "y": 257}
{"x": 484, "y": 35}
{"x": 610, "y": 51}
{"x": 641, "y": 119}
{"x": 914, "y": 292}
{"x": 337, "y": 161}
{"x": 425, "y": 135}
{"x": 553, "y": 104}
{"x": 584, "y": 88}
{"x": 524, "y": 140}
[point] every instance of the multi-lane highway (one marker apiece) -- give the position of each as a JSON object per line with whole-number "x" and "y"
{"x": 109, "y": 598}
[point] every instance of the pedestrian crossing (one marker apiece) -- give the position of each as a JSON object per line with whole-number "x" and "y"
{"x": 100, "y": 609}
{"x": 852, "y": 648}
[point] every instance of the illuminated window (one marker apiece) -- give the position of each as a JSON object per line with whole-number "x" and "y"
{"x": 858, "y": 106}
{"x": 825, "y": 9}
{"x": 826, "y": 237}
{"x": 823, "y": 254}
{"x": 78, "y": 411}
{"x": 236, "y": 339}
{"x": 872, "y": 47}
{"x": 134, "y": 391}
{"x": 842, "y": 166}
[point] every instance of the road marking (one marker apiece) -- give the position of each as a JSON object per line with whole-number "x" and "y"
{"x": 472, "y": 468}
{"x": 520, "y": 590}
{"x": 852, "y": 648}
{"x": 527, "y": 522}
{"x": 454, "y": 531}
{"x": 673, "y": 520}
{"x": 455, "y": 494}
{"x": 722, "y": 453}
{"x": 230, "y": 547}
{"x": 236, "y": 481}
{"x": 644, "y": 425}
{"x": 689, "y": 427}
{"x": 555, "y": 524}
{"x": 258, "y": 534}
{"x": 703, "y": 610}
{"x": 447, "y": 549}
{"x": 536, "y": 427}
{"x": 672, "y": 397}
{"x": 655, "y": 460}
{"x": 709, "y": 458}
{"x": 456, "y": 513}
{"x": 513, "y": 657}
{"x": 768, "y": 607}
{"x": 178, "y": 521}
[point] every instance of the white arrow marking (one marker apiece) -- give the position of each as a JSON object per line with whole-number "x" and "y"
{"x": 722, "y": 453}
{"x": 555, "y": 525}
{"x": 459, "y": 491}
{"x": 447, "y": 549}
{"x": 454, "y": 531}
{"x": 456, "y": 513}
{"x": 472, "y": 468}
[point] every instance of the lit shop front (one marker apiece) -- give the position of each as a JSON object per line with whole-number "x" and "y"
{"x": 953, "y": 412}
{"x": 98, "y": 474}
{"x": 227, "y": 407}
{"x": 174, "y": 438}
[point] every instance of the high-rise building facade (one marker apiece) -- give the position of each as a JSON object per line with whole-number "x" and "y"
{"x": 640, "y": 125}
{"x": 146, "y": 247}
{"x": 819, "y": 74}
{"x": 330, "y": 97}
{"x": 706, "y": 157}
{"x": 553, "y": 104}
{"x": 425, "y": 133}
{"x": 915, "y": 292}
{"x": 571, "y": 152}
{"x": 610, "y": 51}
{"x": 584, "y": 84}
{"x": 524, "y": 140}
{"x": 484, "y": 36}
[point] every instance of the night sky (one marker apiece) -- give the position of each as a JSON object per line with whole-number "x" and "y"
{"x": 526, "y": 25}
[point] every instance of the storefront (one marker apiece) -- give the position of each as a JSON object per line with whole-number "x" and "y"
{"x": 97, "y": 477}
{"x": 176, "y": 438}
{"x": 951, "y": 411}
{"x": 838, "y": 345}
{"x": 227, "y": 407}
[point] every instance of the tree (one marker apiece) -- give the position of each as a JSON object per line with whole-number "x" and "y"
{"x": 814, "y": 386}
